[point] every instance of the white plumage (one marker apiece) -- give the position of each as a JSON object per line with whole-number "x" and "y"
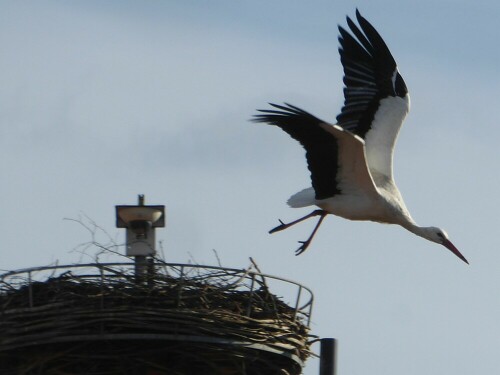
{"x": 351, "y": 161}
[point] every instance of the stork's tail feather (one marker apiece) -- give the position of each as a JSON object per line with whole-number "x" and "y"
{"x": 303, "y": 198}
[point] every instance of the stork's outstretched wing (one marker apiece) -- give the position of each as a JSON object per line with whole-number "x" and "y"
{"x": 335, "y": 156}
{"x": 376, "y": 97}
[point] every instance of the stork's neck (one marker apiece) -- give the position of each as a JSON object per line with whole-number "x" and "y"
{"x": 416, "y": 229}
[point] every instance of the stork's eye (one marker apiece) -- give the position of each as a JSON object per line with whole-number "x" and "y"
{"x": 440, "y": 235}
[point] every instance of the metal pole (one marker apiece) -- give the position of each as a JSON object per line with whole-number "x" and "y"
{"x": 140, "y": 260}
{"x": 151, "y": 271}
{"x": 140, "y": 268}
{"x": 328, "y": 357}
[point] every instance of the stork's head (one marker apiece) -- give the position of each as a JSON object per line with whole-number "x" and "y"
{"x": 441, "y": 237}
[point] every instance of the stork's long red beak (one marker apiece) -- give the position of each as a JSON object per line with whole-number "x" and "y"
{"x": 454, "y": 250}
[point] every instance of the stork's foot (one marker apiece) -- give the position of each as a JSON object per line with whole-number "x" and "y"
{"x": 306, "y": 243}
{"x": 303, "y": 247}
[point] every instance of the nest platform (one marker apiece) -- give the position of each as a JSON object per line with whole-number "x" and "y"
{"x": 185, "y": 319}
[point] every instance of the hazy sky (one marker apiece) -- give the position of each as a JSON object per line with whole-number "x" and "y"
{"x": 101, "y": 101}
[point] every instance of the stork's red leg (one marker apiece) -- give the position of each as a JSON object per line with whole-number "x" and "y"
{"x": 305, "y": 244}
{"x": 285, "y": 226}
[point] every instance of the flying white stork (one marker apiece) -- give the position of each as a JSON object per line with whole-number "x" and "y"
{"x": 351, "y": 162}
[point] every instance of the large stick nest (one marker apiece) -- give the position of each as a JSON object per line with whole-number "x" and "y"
{"x": 169, "y": 321}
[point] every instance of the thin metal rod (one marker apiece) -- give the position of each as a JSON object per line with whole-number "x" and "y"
{"x": 101, "y": 272}
{"x": 30, "y": 289}
{"x": 328, "y": 357}
{"x": 297, "y": 303}
{"x": 310, "y": 310}
{"x": 181, "y": 282}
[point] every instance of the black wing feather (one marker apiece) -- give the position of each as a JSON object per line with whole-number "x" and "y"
{"x": 321, "y": 147}
{"x": 369, "y": 75}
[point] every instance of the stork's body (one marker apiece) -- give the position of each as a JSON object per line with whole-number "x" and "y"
{"x": 351, "y": 161}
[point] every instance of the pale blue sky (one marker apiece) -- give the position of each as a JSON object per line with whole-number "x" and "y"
{"x": 101, "y": 101}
